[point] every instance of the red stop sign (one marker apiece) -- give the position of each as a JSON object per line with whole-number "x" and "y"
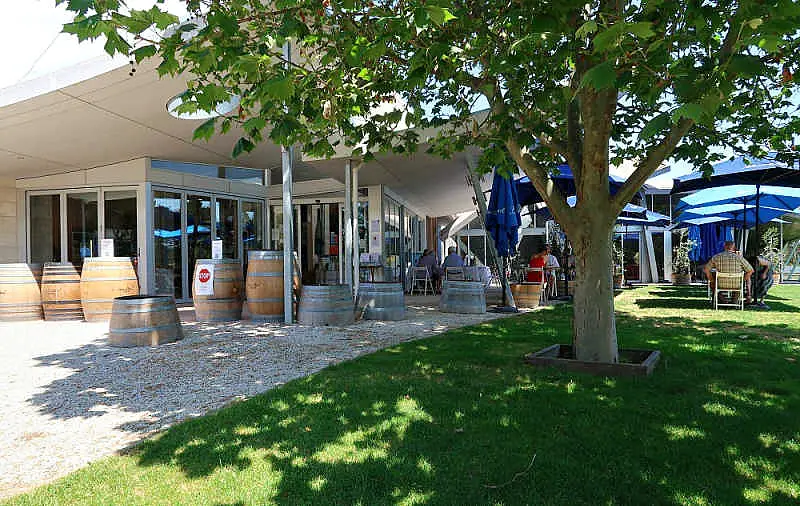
{"x": 204, "y": 275}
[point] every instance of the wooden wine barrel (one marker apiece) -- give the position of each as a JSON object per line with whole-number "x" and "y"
{"x": 264, "y": 285}
{"x": 381, "y": 301}
{"x": 526, "y": 294}
{"x": 20, "y": 296}
{"x": 326, "y": 305}
{"x": 61, "y": 292}
{"x": 144, "y": 320}
{"x": 462, "y": 297}
{"x": 102, "y": 280}
{"x": 226, "y": 302}
{"x": 571, "y": 287}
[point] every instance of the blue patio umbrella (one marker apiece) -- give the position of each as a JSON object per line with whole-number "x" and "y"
{"x": 732, "y": 212}
{"x": 709, "y": 240}
{"x": 744, "y": 195}
{"x": 565, "y": 182}
{"x": 502, "y": 215}
{"x": 651, "y": 219}
{"x": 638, "y": 214}
{"x": 694, "y": 236}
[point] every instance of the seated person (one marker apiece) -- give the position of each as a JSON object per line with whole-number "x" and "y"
{"x": 428, "y": 261}
{"x": 550, "y": 265}
{"x": 452, "y": 260}
{"x": 762, "y": 281}
{"x": 538, "y": 261}
{"x": 730, "y": 263}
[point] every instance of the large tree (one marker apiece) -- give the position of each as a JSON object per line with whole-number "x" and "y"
{"x": 587, "y": 83}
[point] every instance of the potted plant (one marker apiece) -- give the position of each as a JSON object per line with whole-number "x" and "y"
{"x": 681, "y": 264}
{"x": 618, "y": 272}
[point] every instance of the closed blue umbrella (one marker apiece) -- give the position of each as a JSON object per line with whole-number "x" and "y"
{"x": 502, "y": 215}
{"x": 694, "y": 235}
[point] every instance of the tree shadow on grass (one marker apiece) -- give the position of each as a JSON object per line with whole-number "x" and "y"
{"x": 459, "y": 421}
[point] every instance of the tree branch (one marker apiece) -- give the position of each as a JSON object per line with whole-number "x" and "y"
{"x": 645, "y": 169}
{"x": 543, "y": 183}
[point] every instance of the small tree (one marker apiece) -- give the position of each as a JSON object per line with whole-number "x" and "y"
{"x": 681, "y": 263}
{"x": 589, "y": 83}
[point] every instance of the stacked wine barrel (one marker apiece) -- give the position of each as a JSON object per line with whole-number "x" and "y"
{"x": 226, "y": 302}
{"x": 61, "y": 292}
{"x": 20, "y": 294}
{"x": 102, "y": 280}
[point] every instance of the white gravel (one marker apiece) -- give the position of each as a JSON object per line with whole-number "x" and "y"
{"x": 69, "y": 398}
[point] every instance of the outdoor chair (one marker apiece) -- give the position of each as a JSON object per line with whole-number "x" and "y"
{"x": 454, "y": 274}
{"x": 420, "y": 275}
{"x": 733, "y": 286}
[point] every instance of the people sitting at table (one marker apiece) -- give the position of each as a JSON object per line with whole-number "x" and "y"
{"x": 550, "y": 265}
{"x": 452, "y": 259}
{"x": 428, "y": 260}
{"x": 729, "y": 262}
{"x": 762, "y": 281}
{"x": 538, "y": 261}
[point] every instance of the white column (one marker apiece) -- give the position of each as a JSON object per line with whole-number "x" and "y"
{"x": 668, "y": 254}
{"x": 348, "y": 225}
{"x": 287, "y": 159}
{"x": 354, "y": 255}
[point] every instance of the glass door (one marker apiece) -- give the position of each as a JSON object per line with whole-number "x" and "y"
{"x": 167, "y": 243}
{"x": 198, "y": 228}
{"x": 252, "y": 228}
{"x": 45, "y": 228}
{"x": 120, "y": 222}
{"x": 82, "y": 210}
{"x": 226, "y": 215}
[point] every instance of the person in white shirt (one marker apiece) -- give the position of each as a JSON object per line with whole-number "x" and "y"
{"x": 550, "y": 265}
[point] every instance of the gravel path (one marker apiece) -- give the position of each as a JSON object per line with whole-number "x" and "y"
{"x": 68, "y": 398}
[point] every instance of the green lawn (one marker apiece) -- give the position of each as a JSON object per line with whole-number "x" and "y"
{"x": 460, "y": 419}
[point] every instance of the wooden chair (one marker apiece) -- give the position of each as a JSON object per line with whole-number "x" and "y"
{"x": 733, "y": 285}
{"x": 421, "y": 275}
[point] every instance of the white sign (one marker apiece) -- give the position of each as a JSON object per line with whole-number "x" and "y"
{"x": 106, "y": 247}
{"x": 375, "y": 226}
{"x": 216, "y": 249}
{"x": 204, "y": 280}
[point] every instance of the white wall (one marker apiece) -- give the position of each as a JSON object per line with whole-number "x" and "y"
{"x": 9, "y": 247}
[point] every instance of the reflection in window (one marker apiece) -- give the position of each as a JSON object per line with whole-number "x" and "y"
{"x": 198, "y": 228}
{"x": 227, "y": 220}
{"x": 120, "y": 221}
{"x": 167, "y": 243}
{"x": 252, "y": 227}
{"x": 45, "y": 228}
{"x": 81, "y": 226}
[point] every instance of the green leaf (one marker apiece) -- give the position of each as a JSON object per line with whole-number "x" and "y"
{"x": 608, "y": 38}
{"x": 586, "y": 29}
{"x": 439, "y": 15}
{"x": 280, "y": 87}
{"x": 204, "y": 131}
{"x": 643, "y": 29}
{"x": 143, "y": 52}
{"x": 600, "y": 76}
{"x": 254, "y": 124}
{"x": 658, "y": 124}
{"x": 242, "y": 145}
{"x": 755, "y": 23}
{"x": 694, "y": 112}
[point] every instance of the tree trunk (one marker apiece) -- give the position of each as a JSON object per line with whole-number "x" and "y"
{"x": 594, "y": 330}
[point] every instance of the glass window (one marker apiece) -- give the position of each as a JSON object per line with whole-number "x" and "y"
{"x": 276, "y": 222}
{"x": 45, "y": 228}
{"x": 198, "y": 228}
{"x": 227, "y": 219}
{"x": 252, "y": 227}
{"x": 252, "y": 176}
{"x": 81, "y": 226}
{"x": 119, "y": 208}
{"x": 167, "y": 243}
{"x": 363, "y": 227}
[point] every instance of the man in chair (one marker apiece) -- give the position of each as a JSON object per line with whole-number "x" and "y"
{"x": 729, "y": 262}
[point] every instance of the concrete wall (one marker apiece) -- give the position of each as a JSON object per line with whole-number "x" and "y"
{"x": 9, "y": 247}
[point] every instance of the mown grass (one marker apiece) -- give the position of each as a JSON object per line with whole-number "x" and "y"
{"x": 460, "y": 419}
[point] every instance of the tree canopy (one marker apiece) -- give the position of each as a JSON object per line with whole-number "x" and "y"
{"x": 587, "y": 83}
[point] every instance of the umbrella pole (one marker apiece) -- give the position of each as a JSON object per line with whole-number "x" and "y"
{"x": 755, "y": 277}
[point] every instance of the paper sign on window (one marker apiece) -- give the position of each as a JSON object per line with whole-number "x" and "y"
{"x": 204, "y": 280}
{"x": 216, "y": 249}
{"x": 106, "y": 247}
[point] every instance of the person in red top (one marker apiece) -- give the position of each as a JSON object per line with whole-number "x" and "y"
{"x": 538, "y": 261}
